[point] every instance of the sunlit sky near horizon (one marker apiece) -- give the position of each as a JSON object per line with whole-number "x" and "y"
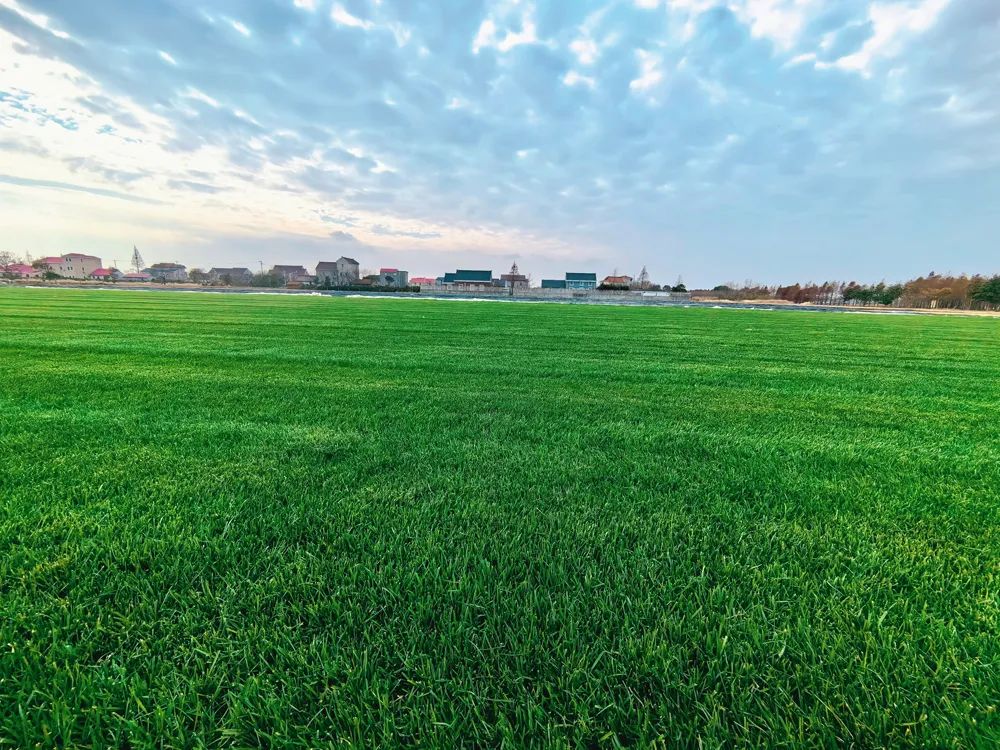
{"x": 717, "y": 140}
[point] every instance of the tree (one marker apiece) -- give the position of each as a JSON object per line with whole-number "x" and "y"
{"x": 890, "y": 294}
{"x": 7, "y": 259}
{"x": 988, "y": 291}
{"x": 198, "y": 275}
{"x": 679, "y": 288}
{"x": 267, "y": 280}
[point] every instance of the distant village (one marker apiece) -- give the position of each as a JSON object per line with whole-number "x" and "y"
{"x": 343, "y": 273}
{"x": 933, "y": 291}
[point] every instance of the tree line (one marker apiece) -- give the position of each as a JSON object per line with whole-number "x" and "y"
{"x": 931, "y": 291}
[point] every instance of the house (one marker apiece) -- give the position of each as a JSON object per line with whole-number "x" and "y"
{"x": 167, "y": 272}
{"x": 289, "y": 274}
{"x": 136, "y": 277}
{"x": 581, "y": 280}
{"x": 423, "y": 281}
{"x": 19, "y": 271}
{"x": 616, "y": 282}
{"x": 230, "y": 276}
{"x": 469, "y": 279}
{"x": 515, "y": 279}
{"x": 70, "y": 266}
{"x": 393, "y": 277}
{"x": 105, "y": 274}
{"x": 341, "y": 272}
{"x": 572, "y": 281}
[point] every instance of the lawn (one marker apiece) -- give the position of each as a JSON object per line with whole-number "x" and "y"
{"x": 242, "y": 521}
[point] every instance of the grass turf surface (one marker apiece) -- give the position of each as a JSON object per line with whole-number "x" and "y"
{"x": 306, "y": 522}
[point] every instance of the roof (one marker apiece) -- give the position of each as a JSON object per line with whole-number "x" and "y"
{"x": 229, "y": 270}
{"x": 553, "y": 283}
{"x": 289, "y": 268}
{"x": 79, "y": 255}
{"x": 349, "y": 260}
{"x": 101, "y": 272}
{"x": 617, "y": 279}
{"x": 422, "y": 280}
{"x": 168, "y": 266}
{"x": 466, "y": 274}
{"x": 51, "y": 260}
{"x": 581, "y": 276}
{"x": 18, "y": 268}
{"x": 388, "y": 270}
{"x": 326, "y": 265}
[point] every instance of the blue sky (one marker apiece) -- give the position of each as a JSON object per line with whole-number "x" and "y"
{"x": 720, "y": 141}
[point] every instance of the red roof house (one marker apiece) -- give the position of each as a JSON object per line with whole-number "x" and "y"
{"x": 19, "y": 270}
{"x": 105, "y": 274}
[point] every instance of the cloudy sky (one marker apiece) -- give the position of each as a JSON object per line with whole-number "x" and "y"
{"x": 714, "y": 139}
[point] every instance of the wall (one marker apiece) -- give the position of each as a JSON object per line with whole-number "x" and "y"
{"x": 556, "y": 294}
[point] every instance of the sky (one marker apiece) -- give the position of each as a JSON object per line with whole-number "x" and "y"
{"x": 713, "y": 140}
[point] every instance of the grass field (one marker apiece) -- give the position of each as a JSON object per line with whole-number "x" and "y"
{"x": 241, "y": 521}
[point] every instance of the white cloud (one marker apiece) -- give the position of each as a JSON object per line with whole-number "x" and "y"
{"x": 485, "y": 36}
{"x": 198, "y": 95}
{"x": 650, "y": 71}
{"x": 572, "y": 78}
{"x": 488, "y": 34}
{"x": 339, "y": 14}
{"x": 586, "y": 50}
{"x": 309, "y": 5}
{"x": 781, "y": 21}
{"x": 892, "y": 24}
{"x": 240, "y": 27}
{"x": 167, "y": 57}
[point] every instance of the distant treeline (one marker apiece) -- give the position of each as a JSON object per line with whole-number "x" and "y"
{"x": 931, "y": 291}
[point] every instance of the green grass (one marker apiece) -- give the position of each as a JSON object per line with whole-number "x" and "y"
{"x": 235, "y": 521}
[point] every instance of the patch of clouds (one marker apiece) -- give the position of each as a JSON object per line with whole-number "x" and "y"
{"x": 892, "y": 24}
{"x": 87, "y": 164}
{"x": 340, "y": 15}
{"x": 573, "y": 78}
{"x": 340, "y": 235}
{"x": 565, "y": 130}
{"x": 346, "y": 221}
{"x": 194, "y": 186}
{"x": 650, "y": 71}
{"x": 240, "y": 27}
{"x": 512, "y": 25}
{"x": 385, "y": 231}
